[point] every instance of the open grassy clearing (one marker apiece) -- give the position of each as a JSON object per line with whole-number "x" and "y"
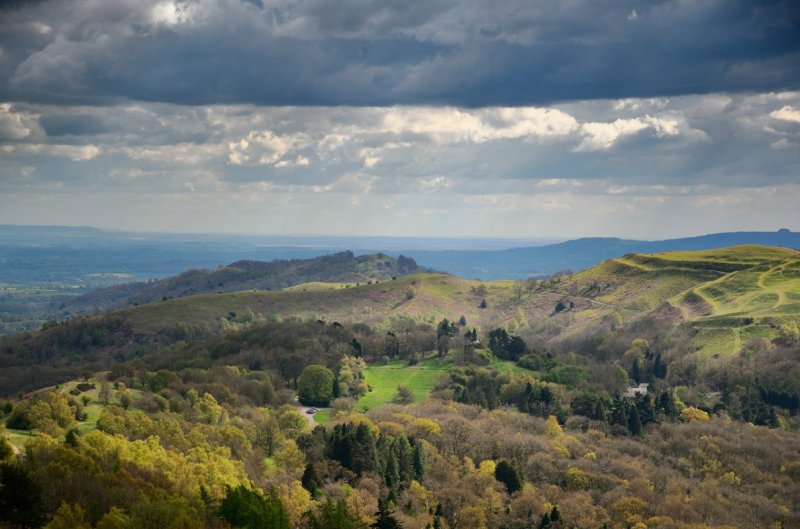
{"x": 385, "y": 379}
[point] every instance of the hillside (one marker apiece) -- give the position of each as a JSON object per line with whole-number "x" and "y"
{"x": 343, "y": 267}
{"x": 726, "y": 296}
{"x": 719, "y": 299}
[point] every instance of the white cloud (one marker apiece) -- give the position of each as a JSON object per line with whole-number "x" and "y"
{"x": 453, "y": 125}
{"x": 266, "y": 148}
{"x": 15, "y": 125}
{"x": 600, "y": 136}
{"x": 787, "y": 113}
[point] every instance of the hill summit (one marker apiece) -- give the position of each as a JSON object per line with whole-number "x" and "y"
{"x": 342, "y": 267}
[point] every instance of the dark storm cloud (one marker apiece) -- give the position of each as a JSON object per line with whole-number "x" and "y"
{"x": 362, "y": 52}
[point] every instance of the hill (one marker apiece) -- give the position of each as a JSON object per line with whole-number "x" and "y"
{"x": 578, "y": 254}
{"x": 716, "y": 299}
{"x": 343, "y": 267}
{"x": 724, "y": 297}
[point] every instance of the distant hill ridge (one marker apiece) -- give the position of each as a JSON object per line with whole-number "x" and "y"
{"x": 342, "y": 267}
{"x": 579, "y": 254}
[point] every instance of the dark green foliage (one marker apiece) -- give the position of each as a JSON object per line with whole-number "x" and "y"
{"x": 635, "y": 422}
{"x": 20, "y": 497}
{"x": 310, "y": 480}
{"x": 353, "y": 446}
{"x": 385, "y": 518}
{"x": 72, "y": 438}
{"x": 506, "y": 346}
{"x": 243, "y": 507}
{"x": 333, "y": 515}
{"x": 419, "y": 461}
{"x": 635, "y": 372}
{"x": 508, "y": 474}
{"x": 659, "y": 367}
{"x": 19, "y": 420}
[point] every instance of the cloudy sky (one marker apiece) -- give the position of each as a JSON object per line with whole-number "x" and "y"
{"x": 568, "y": 118}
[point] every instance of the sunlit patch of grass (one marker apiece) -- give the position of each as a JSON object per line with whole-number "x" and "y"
{"x": 385, "y": 380}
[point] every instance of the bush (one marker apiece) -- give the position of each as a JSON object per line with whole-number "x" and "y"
{"x": 404, "y": 395}
{"x": 19, "y": 420}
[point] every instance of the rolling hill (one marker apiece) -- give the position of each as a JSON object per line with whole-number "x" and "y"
{"x": 726, "y": 295}
{"x": 343, "y": 267}
{"x": 722, "y": 298}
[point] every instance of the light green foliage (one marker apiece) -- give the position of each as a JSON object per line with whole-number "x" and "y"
{"x": 351, "y": 381}
{"x": 315, "y": 386}
{"x": 52, "y": 414}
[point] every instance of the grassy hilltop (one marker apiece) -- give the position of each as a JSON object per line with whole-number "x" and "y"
{"x": 728, "y": 295}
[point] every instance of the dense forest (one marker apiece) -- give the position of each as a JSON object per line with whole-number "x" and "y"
{"x": 206, "y": 433}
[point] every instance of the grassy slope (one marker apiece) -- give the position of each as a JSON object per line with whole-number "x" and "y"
{"x": 93, "y": 409}
{"x": 716, "y": 291}
{"x": 729, "y": 294}
{"x": 425, "y": 297}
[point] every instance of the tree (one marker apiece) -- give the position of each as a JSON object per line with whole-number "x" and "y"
{"x": 20, "y": 497}
{"x": 333, "y": 515}
{"x": 483, "y": 304}
{"x": 315, "y": 385}
{"x": 249, "y": 509}
{"x": 105, "y": 392}
{"x": 384, "y": 517}
{"x": 508, "y": 474}
{"x": 635, "y": 422}
{"x": 462, "y": 320}
{"x": 69, "y": 517}
{"x": 404, "y": 395}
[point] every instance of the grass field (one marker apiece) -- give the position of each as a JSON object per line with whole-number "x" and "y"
{"x": 385, "y": 379}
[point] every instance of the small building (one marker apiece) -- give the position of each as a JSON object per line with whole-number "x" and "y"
{"x": 636, "y": 390}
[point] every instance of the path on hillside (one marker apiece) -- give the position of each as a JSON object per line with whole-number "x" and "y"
{"x": 413, "y": 300}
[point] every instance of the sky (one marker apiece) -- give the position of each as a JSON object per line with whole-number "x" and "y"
{"x": 643, "y": 119}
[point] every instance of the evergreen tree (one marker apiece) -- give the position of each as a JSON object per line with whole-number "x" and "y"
{"x": 385, "y": 518}
{"x": 419, "y": 461}
{"x": 635, "y": 374}
{"x": 600, "y": 411}
{"x": 508, "y": 474}
{"x": 249, "y": 509}
{"x": 310, "y": 480}
{"x": 635, "y": 422}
